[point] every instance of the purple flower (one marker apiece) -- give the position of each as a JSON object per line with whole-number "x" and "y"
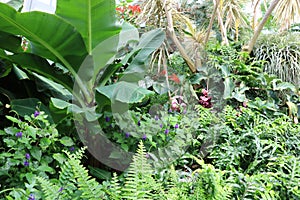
{"x": 27, "y": 156}
{"x": 176, "y": 126}
{"x": 19, "y": 134}
{"x": 166, "y": 131}
{"x": 160, "y": 125}
{"x": 36, "y": 113}
{"x": 147, "y": 155}
{"x": 72, "y": 148}
{"x": 60, "y": 189}
{"x": 26, "y": 163}
{"x": 127, "y": 135}
{"x": 139, "y": 123}
{"x": 107, "y": 119}
{"x": 156, "y": 117}
{"x": 31, "y": 197}
{"x": 144, "y": 137}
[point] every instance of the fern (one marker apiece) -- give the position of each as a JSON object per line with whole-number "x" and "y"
{"x": 114, "y": 190}
{"x": 210, "y": 184}
{"x": 75, "y": 181}
{"x": 90, "y": 188}
{"x": 176, "y": 189}
{"x": 139, "y": 183}
{"x": 50, "y": 190}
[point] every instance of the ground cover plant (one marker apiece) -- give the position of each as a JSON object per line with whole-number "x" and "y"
{"x": 180, "y": 101}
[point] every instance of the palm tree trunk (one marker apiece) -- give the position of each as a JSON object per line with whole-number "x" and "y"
{"x": 253, "y": 40}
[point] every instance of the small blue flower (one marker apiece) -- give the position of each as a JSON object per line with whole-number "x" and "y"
{"x": 72, "y": 148}
{"x": 36, "y": 113}
{"x": 160, "y": 125}
{"x": 147, "y": 155}
{"x": 139, "y": 123}
{"x": 107, "y": 119}
{"x": 156, "y": 117}
{"x": 144, "y": 137}
{"x": 26, "y": 163}
{"x": 19, "y": 134}
{"x": 60, "y": 189}
{"x": 31, "y": 197}
{"x": 127, "y": 135}
{"x": 27, "y": 156}
{"x": 167, "y": 131}
{"x": 176, "y": 126}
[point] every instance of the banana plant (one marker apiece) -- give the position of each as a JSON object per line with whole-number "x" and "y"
{"x": 75, "y": 48}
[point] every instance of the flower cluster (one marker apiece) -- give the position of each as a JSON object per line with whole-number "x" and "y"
{"x": 126, "y": 12}
{"x": 205, "y": 100}
{"x": 177, "y": 104}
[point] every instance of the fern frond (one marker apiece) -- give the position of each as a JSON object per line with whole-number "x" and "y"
{"x": 114, "y": 190}
{"x": 89, "y": 187}
{"x": 139, "y": 183}
{"x": 50, "y": 190}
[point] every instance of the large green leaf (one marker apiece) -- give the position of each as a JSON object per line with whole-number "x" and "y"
{"x": 128, "y": 33}
{"x": 96, "y": 22}
{"x": 10, "y": 42}
{"x": 149, "y": 42}
{"x": 94, "y": 19}
{"x": 51, "y": 37}
{"x": 41, "y": 66}
{"x": 28, "y": 106}
{"x": 124, "y": 92}
{"x": 56, "y": 90}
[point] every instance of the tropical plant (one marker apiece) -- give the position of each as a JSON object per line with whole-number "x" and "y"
{"x": 30, "y": 147}
{"x": 74, "y": 48}
{"x": 281, "y": 55}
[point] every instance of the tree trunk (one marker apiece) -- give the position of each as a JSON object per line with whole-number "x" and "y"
{"x": 172, "y": 33}
{"x": 211, "y": 22}
{"x": 253, "y": 40}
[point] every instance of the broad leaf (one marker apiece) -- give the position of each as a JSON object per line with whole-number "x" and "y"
{"x": 229, "y": 87}
{"x": 42, "y": 66}
{"x": 124, "y": 92}
{"x": 10, "y": 42}
{"x": 28, "y": 106}
{"x": 94, "y": 19}
{"x": 149, "y": 42}
{"x": 128, "y": 33}
{"x": 51, "y": 37}
{"x": 57, "y": 90}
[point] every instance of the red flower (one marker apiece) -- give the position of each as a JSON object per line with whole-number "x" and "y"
{"x": 121, "y": 9}
{"x": 174, "y": 78}
{"x": 135, "y": 8}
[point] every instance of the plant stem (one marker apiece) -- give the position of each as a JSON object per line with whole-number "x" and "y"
{"x": 253, "y": 40}
{"x": 211, "y": 22}
{"x": 171, "y": 30}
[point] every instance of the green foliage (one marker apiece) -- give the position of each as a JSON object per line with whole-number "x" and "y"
{"x": 247, "y": 147}
{"x": 139, "y": 183}
{"x": 281, "y": 54}
{"x": 30, "y": 147}
{"x": 74, "y": 181}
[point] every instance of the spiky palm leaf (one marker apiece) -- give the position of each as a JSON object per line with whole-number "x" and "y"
{"x": 286, "y": 13}
{"x": 233, "y": 14}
